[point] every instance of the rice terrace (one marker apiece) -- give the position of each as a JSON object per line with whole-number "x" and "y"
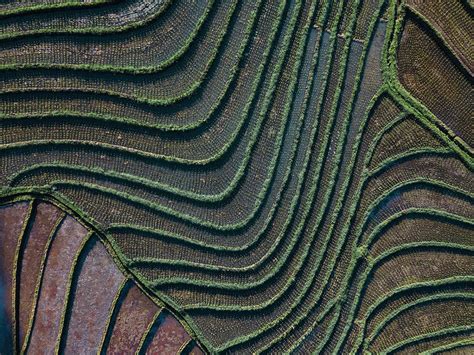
{"x": 236, "y": 176}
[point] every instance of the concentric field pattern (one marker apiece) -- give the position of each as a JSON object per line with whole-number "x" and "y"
{"x": 285, "y": 176}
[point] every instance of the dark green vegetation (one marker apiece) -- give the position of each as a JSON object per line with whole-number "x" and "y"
{"x": 286, "y": 175}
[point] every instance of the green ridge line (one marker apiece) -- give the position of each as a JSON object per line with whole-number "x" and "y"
{"x": 450, "y": 296}
{"x": 113, "y": 311}
{"x": 256, "y": 203}
{"x": 353, "y": 263}
{"x": 407, "y": 288}
{"x": 51, "y": 6}
{"x": 90, "y": 30}
{"x": 300, "y": 203}
{"x": 127, "y": 69}
{"x": 355, "y": 90}
{"x": 402, "y": 96}
{"x": 73, "y": 274}
{"x": 15, "y": 276}
{"x": 154, "y": 101}
{"x": 451, "y": 346}
{"x": 420, "y": 338}
{"x": 174, "y": 127}
{"x": 155, "y": 322}
{"x": 39, "y": 282}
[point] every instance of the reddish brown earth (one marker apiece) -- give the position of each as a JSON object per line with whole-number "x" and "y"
{"x": 70, "y": 294}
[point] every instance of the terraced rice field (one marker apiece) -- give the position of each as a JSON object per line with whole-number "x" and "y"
{"x": 204, "y": 176}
